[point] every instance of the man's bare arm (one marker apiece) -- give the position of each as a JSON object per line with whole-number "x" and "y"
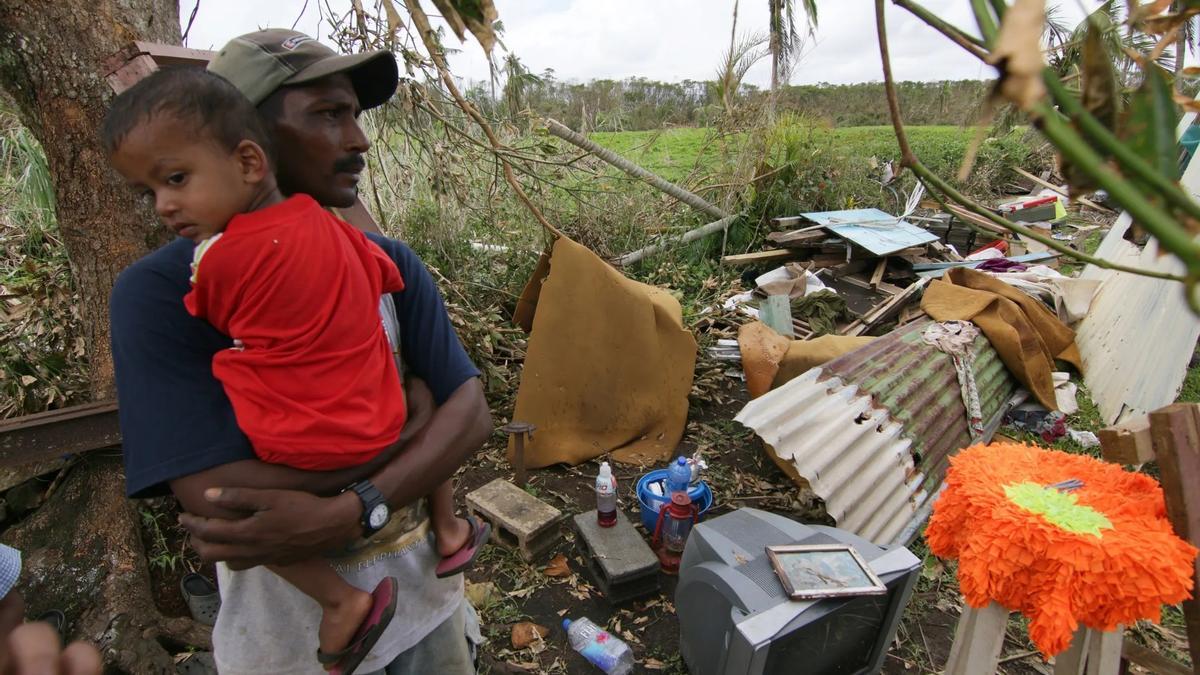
{"x": 286, "y": 525}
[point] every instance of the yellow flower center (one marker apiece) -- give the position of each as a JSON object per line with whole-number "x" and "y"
{"x": 1059, "y": 508}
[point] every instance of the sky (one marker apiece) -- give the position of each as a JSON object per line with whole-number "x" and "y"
{"x": 668, "y": 40}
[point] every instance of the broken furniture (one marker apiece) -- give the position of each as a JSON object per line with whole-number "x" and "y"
{"x": 979, "y": 639}
{"x": 619, "y": 560}
{"x": 519, "y": 520}
{"x": 1172, "y": 437}
{"x": 1065, "y": 539}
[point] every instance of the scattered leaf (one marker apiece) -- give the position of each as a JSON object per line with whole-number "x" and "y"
{"x": 481, "y": 595}
{"x": 526, "y": 633}
{"x": 1018, "y": 54}
{"x": 557, "y": 567}
{"x": 653, "y": 664}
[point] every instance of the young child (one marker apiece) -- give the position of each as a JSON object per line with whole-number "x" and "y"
{"x": 311, "y": 376}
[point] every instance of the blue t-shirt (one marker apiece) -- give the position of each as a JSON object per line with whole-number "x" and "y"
{"x": 175, "y": 417}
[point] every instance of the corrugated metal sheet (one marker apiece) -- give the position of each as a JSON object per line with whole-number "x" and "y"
{"x": 1139, "y": 334}
{"x": 877, "y": 231}
{"x": 872, "y": 431}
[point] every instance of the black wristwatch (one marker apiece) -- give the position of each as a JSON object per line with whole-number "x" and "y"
{"x": 375, "y": 512}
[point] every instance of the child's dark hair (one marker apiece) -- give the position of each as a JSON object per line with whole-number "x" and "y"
{"x": 190, "y": 94}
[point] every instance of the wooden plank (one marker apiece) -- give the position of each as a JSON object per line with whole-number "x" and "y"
{"x": 1104, "y": 651}
{"x": 51, "y": 435}
{"x": 1175, "y": 433}
{"x": 807, "y": 237}
{"x": 978, "y": 639}
{"x": 977, "y": 220}
{"x": 1073, "y": 661}
{"x": 174, "y": 55}
{"x": 1052, "y": 186}
{"x": 128, "y": 74}
{"x": 776, "y": 255}
{"x": 877, "y": 275}
{"x": 1128, "y": 442}
{"x": 1153, "y": 661}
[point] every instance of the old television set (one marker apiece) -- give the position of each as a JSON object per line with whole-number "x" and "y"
{"x": 735, "y": 617}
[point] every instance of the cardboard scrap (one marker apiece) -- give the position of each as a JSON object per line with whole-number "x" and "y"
{"x": 770, "y": 360}
{"x": 609, "y": 365}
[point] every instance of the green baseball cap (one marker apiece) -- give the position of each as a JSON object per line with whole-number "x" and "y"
{"x": 259, "y": 63}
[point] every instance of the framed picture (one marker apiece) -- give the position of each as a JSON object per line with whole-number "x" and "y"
{"x": 816, "y": 571}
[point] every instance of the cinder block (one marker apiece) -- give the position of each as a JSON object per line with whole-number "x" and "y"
{"x": 519, "y": 520}
{"x": 622, "y": 564}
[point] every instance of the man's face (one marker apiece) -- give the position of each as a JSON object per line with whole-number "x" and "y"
{"x": 319, "y": 144}
{"x": 195, "y": 184}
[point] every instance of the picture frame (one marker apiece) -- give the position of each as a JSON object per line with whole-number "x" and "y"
{"x": 815, "y": 571}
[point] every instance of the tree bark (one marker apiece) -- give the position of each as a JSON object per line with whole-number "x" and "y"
{"x": 82, "y": 549}
{"x": 83, "y": 554}
{"x": 53, "y": 62}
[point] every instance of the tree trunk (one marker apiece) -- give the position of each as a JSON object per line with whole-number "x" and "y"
{"x": 53, "y": 58}
{"x": 82, "y": 549}
{"x": 83, "y": 555}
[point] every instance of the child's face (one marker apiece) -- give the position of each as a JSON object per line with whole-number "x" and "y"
{"x": 196, "y": 185}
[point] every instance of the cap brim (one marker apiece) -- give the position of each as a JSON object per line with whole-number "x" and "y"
{"x": 373, "y": 74}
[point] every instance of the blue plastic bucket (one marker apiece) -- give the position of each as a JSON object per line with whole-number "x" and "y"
{"x": 699, "y": 493}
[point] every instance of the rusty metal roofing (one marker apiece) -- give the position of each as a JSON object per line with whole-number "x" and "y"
{"x": 871, "y": 432}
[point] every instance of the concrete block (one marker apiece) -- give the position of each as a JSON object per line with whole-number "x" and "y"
{"x": 619, "y": 559}
{"x": 519, "y": 520}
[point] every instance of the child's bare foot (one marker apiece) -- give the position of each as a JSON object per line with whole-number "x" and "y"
{"x": 453, "y": 536}
{"x": 340, "y": 622}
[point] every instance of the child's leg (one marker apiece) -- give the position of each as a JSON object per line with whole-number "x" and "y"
{"x": 451, "y": 531}
{"x": 343, "y": 607}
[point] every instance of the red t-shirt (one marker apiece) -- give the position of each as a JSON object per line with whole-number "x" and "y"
{"x": 312, "y": 377}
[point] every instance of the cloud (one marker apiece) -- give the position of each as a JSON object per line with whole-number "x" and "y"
{"x": 670, "y": 40}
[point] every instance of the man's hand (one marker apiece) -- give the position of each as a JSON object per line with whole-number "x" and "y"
{"x": 282, "y": 526}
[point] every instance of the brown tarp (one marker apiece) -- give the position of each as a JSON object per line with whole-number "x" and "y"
{"x": 1024, "y": 332}
{"x": 770, "y": 360}
{"x": 609, "y": 365}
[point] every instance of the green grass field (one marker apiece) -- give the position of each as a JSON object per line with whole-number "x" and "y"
{"x": 673, "y": 153}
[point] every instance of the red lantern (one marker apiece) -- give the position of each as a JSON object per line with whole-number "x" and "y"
{"x": 674, "y": 524}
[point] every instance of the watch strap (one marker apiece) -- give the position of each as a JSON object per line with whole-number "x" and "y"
{"x": 371, "y": 497}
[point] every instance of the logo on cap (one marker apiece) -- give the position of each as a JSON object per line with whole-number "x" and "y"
{"x": 294, "y": 41}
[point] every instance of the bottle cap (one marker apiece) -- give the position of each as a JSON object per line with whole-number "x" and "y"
{"x": 605, "y": 470}
{"x": 682, "y": 461}
{"x": 566, "y": 624}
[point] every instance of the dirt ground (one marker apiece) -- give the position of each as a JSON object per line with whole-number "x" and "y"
{"x": 740, "y": 474}
{"x": 507, "y": 591}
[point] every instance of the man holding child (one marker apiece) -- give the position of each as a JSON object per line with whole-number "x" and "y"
{"x": 368, "y": 521}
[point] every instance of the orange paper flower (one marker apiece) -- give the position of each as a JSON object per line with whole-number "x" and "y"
{"x": 1101, "y": 554}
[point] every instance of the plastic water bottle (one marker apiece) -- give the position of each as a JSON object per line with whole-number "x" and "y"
{"x": 604, "y": 651}
{"x": 606, "y": 497}
{"x": 679, "y": 476}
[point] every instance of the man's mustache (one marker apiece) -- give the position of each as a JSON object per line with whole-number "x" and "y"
{"x": 350, "y": 164}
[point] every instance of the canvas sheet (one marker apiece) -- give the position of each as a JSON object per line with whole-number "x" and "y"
{"x": 609, "y": 364}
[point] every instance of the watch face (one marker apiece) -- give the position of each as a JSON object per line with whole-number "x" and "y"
{"x": 378, "y": 517}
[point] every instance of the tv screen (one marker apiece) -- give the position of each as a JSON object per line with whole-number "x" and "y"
{"x": 841, "y": 641}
